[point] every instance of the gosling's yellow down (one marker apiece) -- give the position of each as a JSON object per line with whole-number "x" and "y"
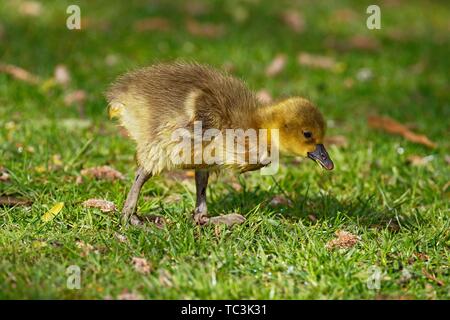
{"x": 155, "y": 102}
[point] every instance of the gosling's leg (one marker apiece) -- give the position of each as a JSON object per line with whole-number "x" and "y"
{"x": 201, "y": 212}
{"x": 129, "y": 207}
{"x": 201, "y": 183}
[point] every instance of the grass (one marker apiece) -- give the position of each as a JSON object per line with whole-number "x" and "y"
{"x": 399, "y": 211}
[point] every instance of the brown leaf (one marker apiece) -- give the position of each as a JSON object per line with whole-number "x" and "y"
{"x": 158, "y": 221}
{"x": 19, "y": 73}
{"x": 152, "y": 24}
{"x": 343, "y": 239}
{"x": 141, "y": 265}
{"x": 361, "y": 42}
{"x": 391, "y": 126}
{"x": 277, "y": 65}
{"x": 207, "y": 30}
{"x": 196, "y": 8}
{"x": 126, "y": 295}
{"x": 264, "y": 96}
{"x": 4, "y": 175}
{"x": 316, "y": 61}
{"x": 61, "y": 74}
{"x": 280, "y": 200}
{"x": 103, "y": 205}
{"x": 422, "y": 256}
{"x": 416, "y": 160}
{"x": 294, "y": 20}
{"x": 75, "y": 97}
{"x": 165, "y": 278}
{"x": 338, "y": 141}
{"x": 122, "y": 238}
{"x": 9, "y": 201}
{"x": 312, "y": 217}
{"x": 102, "y": 173}
{"x": 86, "y": 248}
{"x": 30, "y": 8}
{"x": 432, "y": 277}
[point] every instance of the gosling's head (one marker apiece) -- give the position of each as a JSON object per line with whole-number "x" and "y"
{"x": 301, "y": 129}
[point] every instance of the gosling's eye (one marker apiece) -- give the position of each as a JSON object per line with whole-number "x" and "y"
{"x": 307, "y": 134}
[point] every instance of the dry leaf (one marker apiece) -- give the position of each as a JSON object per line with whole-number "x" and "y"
{"x": 196, "y": 8}
{"x": 102, "y": 173}
{"x": 207, "y": 30}
{"x": 280, "y": 200}
{"x": 61, "y": 74}
{"x": 75, "y": 97}
{"x": 141, "y": 265}
{"x": 316, "y": 61}
{"x": 165, "y": 279}
{"x": 343, "y": 239}
{"x": 312, "y": 217}
{"x": 422, "y": 256}
{"x": 338, "y": 141}
{"x": 294, "y": 20}
{"x": 126, "y": 295}
{"x": 103, "y": 205}
{"x": 361, "y": 42}
{"x": 447, "y": 159}
{"x": 86, "y": 248}
{"x": 264, "y": 96}
{"x": 4, "y": 175}
{"x": 276, "y": 66}
{"x": 432, "y": 277}
{"x": 19, "y": 73}
{"x": 416, "y": 160}
{"x": 152, "y": 24}
{"x": 8, "y": 201}
{"x": 122, "y": 238}
{"x": 30, "y": 8}
{"x": 158, "y": 221}
{"x": 49, "y": 215}
{"x": 391, "y": 126}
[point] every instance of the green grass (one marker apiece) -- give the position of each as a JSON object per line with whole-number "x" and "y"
{"x": 399, "y": 211}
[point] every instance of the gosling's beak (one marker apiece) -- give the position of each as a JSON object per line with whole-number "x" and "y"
{"x": 321, "y": 156}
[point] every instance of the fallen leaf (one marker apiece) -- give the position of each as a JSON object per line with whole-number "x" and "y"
{"x": 391, "y": 126}
{"x": 280, "y": 200}
{"x": 312, "y": 217}
{"x": 152, "y": 24}
{"x": 277, "y": 65}
{"x": 61, "y": 74}
{"x": 432, "y": 277}
{"x": 126, "y": 295}
{"x": 264, "y": 96}
{"x": 208, "y": 30}
{"x": 49, "y": 215}
{"x": 30, "y": 8}
{"x": 141, "y": 265}
{"x": 9, "y": 201}
{"x": 422, "y": 256}
{"x": 158, "y": 221}
{"x": 103, "y": 205}
{"x": 86, "y": 248}
{"x": 102, "y": 173}
{"x": 294, "y": 20}
{"x": 361, "y": 42}
{"x": 19, "y": 73}
{"x": 75, "y": 97}
{"x": 416, "y": 160}
{"x": 316, "y": 61}
{"x": 343, "y": 239}
{"x": 165, "y": 279}
{"x": 122, "y": 238}
{"x": 111, "y": 59}
{"x": 447, "y": 159}
{"x": 4, "y": 175}
{"x": 338, "y": 141}
{"x": 196, "y": 8}
{"x": 344, "y": 15}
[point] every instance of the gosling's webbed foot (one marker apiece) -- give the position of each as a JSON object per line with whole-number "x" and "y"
{"x": 227, "y": 219}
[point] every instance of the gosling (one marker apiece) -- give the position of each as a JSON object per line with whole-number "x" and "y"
{"x": 153, "y": 103}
